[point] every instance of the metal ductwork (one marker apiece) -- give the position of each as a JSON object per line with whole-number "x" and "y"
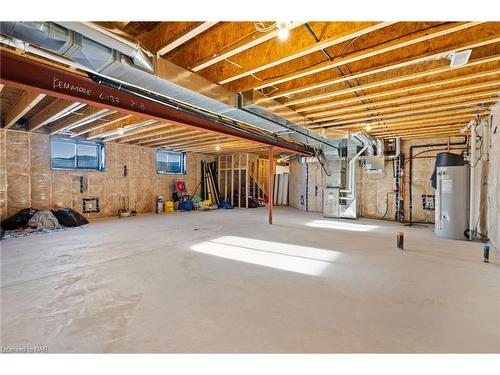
{"x": 104, "y": 55}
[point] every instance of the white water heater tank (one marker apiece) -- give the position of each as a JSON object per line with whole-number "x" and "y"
{"x": 452, "y": 197}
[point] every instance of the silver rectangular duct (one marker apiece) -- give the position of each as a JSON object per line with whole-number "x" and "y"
{"x": 112, "y": 58}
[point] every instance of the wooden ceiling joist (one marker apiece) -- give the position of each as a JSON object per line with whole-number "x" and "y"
{"x": 158, "y": 139}
{"x": 240, "y": 47}
{"x": 491, "y": 94}
{"x": 188, "y": 35}
{"x": 51, "y": 113}
{"x": 141, "y": 126}
{"x": 228, "y": 147}
{"x": 402, "y": 90}
{"x": 434, "y": 130}
{"x": 415, "y": 111}
{"x": 178, "y": 138}
{"x": 408, "y": 98}
{"x": 206, "y": 141}
{"x": 420, "y": 117}
{"x": 390, "y": 81}
{"x": 168, "y": 129}
{"x": 383, "y": 69}
{"x": 25, "y": 103}
{"x": 423, "y": 123}
{"x": 135, "y": 132}
{"x": 116, "y": 118}
{"x": 87, "y": 115}
{"x": 315, "y": 48}
{"x": 398, "y": 43}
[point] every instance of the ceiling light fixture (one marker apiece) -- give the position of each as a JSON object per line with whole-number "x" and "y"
{"x": 283, "y": 31}
{"x": 368, "y": 127}
{"x": 217, "y": 147}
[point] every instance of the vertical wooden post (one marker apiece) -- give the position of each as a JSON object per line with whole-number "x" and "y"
{"x": 218, "y": 173}
{"x": 239, "y": 180}
{"x": 270, "y": 181}
{"x": 232, "y": 180}
{"x": 225, "y": 178}
{"x": 247, "y": 181}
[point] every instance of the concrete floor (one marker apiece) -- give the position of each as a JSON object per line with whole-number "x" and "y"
{"x": 226, "y": 281}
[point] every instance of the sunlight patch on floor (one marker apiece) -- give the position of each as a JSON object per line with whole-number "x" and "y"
{"x": 294, "y": 258}
{"x": 340, "y": 225}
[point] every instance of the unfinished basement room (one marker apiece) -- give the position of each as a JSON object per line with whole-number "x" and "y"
{"x": 250, "y": 186}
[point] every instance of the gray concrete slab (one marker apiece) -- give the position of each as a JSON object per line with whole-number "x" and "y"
{"x": 226, "y": 281}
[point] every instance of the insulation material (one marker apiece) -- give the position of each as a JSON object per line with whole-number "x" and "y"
{"x": 493, "y": 203}
{"x": 18, "y": 171}
{"x": 26, "y": 177}
{"x": 297, "y": 184}
{"x": 40, "y": 171}
{"x": 41, "y": 191}
{"x": 3, "y": 175}
{"x": 61, "y": 195}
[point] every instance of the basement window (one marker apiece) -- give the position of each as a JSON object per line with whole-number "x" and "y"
{"x": 76, "y": 154}
{"x": 170, "y": 162}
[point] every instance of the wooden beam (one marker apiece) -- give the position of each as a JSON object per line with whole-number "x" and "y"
{"x": 27, "y": 101}
{"x": 413, "y": 119}
{"x": 143, "y": 125}
{"x": 240, "y": 47}
{"x": 182, "y": 140}
{"x": 382, "y": 69}
{"x": 168, "y": 129}
{"x": 50, "y": 113}
{"x": 157, "y": 140}
{"x": 456, "y": 129}
{"x": 185, "y": 37}
{"x": 164, "y": 33}
{"x": 408, "y": 98}
{"x": 136, "y": 132}
{"x": 392, "y": 80}
{"x": 404, "y": 89}
{"x": 225, "y": 147}
{"x": 426, "y": 129}
{"x": 493, "y": 94}
{"x": 118, "y": 119}
{"x": 239, "y": 180}
{"x": 432, "y": 135}
{"x": 247, "y": 180}
{"x": 415, "y": 124}
{"x": 392, "y": 45}
{"x": 306, "y": 51}
{"x": 404, "y": 113}
{"x": 87, "y": 115}
{"x": 232, "y": 180}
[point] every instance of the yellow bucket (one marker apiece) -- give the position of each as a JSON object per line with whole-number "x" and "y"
{"x": 168, "y": 206}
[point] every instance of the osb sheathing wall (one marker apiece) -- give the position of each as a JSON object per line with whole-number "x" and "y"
{"x": 27, "y": 179}
{"x": 375, "y": 190}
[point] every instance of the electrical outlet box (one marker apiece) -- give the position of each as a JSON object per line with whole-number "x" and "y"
{"x": 428, "y": 202}
{"x": 91, "y": 205}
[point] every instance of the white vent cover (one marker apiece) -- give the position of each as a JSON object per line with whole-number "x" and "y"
{"x": 459, "y": 58}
